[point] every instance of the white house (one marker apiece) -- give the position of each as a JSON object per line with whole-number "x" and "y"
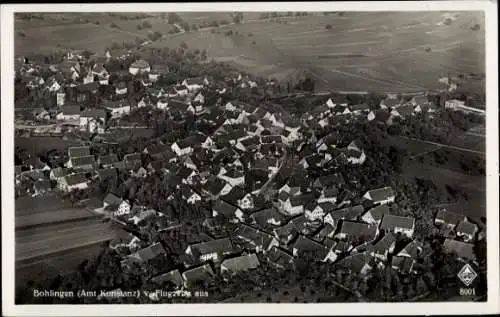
{"x": 314, "y": 212}
{"x": 199, "y": 98}
{"x": 454, "y": 104}
{"x": 162, "y": 104}
{"x": 118, "y": 109}
{"x": 197, "y": 83}
{"x": 330, "y": 104}
{"x": 122, "y": 206}
{"x": 233, "y": 177}
{"x": 193, "y": 199}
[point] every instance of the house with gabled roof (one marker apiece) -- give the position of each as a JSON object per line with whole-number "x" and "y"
{"x": 383, "y": 247}
{"x": 448, "y": 219}
{"x": 72, "y": 182}
{"x": 143, "y": 255}
{"x": 119, "y": 206}
{"x": 382, "y": 195}
{"x": 294, "y": 205}
{"x": 197, "y": 83}
{"x": 253, "y": 239}
{"x": 233, "y": 177}
{"x": 286, "y": 233}
{"x": 57, "y": 173}
{"x": 351, "y": 213}
{"x": 78, "y": 151}
{"x": 351, "y": 230}
{"x": 327, "y": 231}
{"x": 398, "y": 224}
{"x": 358, "y": 264}
{"x": 375, "y": 215}
{"x": 69, "y": 113}
{"x": 107, "y": 161}
{"x": 411, "y": 250}
{"x": 174, "y": 277}
{"x": 231, "y": 212}
{"x": 240, "y": 264}
{"x": 466, "y": 230}
{"x": 304, "y": 245}
{"x": 280, "y": 258}
{"x": 213, "y": 250}
{"x": 82, "y": 162}
{"x": 203, "y": 273}
{"x": 269, "y": 217}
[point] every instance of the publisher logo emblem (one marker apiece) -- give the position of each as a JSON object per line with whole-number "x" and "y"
{"x": 467, "y": 275}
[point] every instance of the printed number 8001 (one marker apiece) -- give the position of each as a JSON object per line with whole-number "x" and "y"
{"x": 467, "y": 291}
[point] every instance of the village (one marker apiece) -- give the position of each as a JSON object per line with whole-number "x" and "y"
{"x": 266, "y": 180}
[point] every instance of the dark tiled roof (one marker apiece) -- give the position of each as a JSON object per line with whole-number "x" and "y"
{"x": 389, "y": 222}
{"x": 74, "y": 179}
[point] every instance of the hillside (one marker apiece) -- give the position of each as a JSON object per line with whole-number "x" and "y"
{"x": 376, "y": 51}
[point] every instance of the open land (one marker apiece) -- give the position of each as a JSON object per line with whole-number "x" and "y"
{"x": 360, "y": 52}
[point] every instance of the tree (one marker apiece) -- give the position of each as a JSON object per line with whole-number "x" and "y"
{"x": 173, "y": 18}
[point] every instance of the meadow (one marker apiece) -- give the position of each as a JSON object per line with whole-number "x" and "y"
{"x": 378, "y": 51}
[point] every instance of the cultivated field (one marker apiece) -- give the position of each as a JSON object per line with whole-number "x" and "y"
{"x": 54, "y": 216}
{"x": 30, "y": 206}
{"x": 41, "y": 241}
{"x": 380, "y": 51}
{"x": 44, "y": 144}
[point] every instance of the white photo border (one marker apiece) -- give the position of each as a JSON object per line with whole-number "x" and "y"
{"x": 492, "y": 169}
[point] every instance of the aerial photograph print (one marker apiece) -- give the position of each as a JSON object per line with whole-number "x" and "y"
{"x": 249, "y": 157}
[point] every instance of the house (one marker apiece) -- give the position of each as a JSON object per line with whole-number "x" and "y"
{"x": 466, "y": 230}
{"x": 419, "y": 100}
{"x": 213, "y": 250}
{"x": 295, "y": 205}
{"x": 107, "y": 173}
{"x": 379, "y": 115}
{"x": 174, "y": 277}
{"x": 375, "y": 215}
{"x": 122, "y": 206}
{"x": 314, "y": 211}
{"x": 411, "y": 250}
{"x": 357, "y": 231}
{"x": 304, "y": 245}
{"x": 398, "y": 224}
{"x": 139, "y": 67}
{"x": 181, "y": 90}
{"x": 216, "y": 187}
{"x": 359, "y": 109}
{"x": 92, "y": 119}
{"x": 280, "y": 258}
{"x": 183, "y": 147}
{"x": 73, "y": 181}
{"x": 355, "y": 157}
{"x": 57, "y": 173}
{"x": 192, "y": 197}
{"x": 82, "y": 162}
{"x": 239, "y": 264}
{"x": 448, "y": 219}
{"x": 199, "y": 98}
{"x": 117, "y": 108}
{"x": 229, "y": 211}
{"x": 404, "y": 111}
{"x": 402, "y": 264}
{"x": 69, "y": 112}
{"x": 234, "y": 195}
{"x": 78, "y": 151}
{"x": 327, "y": 231}
{"x": 121, "y": 88}
{"x": 286, "y": 233}
{"x": 390, "y": 103}
{"x": 52, "y": 85}
{"x": 267, "y": 217}
{"x": 195, "y": 83}
{"x": 463, "y": 250}
{"x": 383, "y": 247}
{"x": 143, "y": 255}
{"x": 356, "y": 264}
{"x": 383, "y": 195}
{"x": 332, "y": 217}
{"x": 201, "y": 274}
{"x": 253, "y": 239}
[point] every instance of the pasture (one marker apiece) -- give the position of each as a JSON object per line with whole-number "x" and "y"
{"x": 377, "y": 51}
{"x": 30, "y": 206}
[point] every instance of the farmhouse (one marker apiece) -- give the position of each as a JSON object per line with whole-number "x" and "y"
{"x": 280, "y": 258}
{"x": 229, "y": 211}
{"x": 375, "y": 215}
{"x": 82, "y": 162}
{"x": 382, "y": 248}
{"x": 358, "y": 264}
{"x": 69, "y": 112}
{"x": 267, "y": 217}
{"x": 412, "y": 250}
{"x": 117, "y": 108}
{"x": 403, "y": 264}
{"x": 352, "y": 230}
{"x": 173, "y": 277}
{"x": 78, "y": 151}
{"x": 304, "y": 245}
{"x": 195, "y": 83}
